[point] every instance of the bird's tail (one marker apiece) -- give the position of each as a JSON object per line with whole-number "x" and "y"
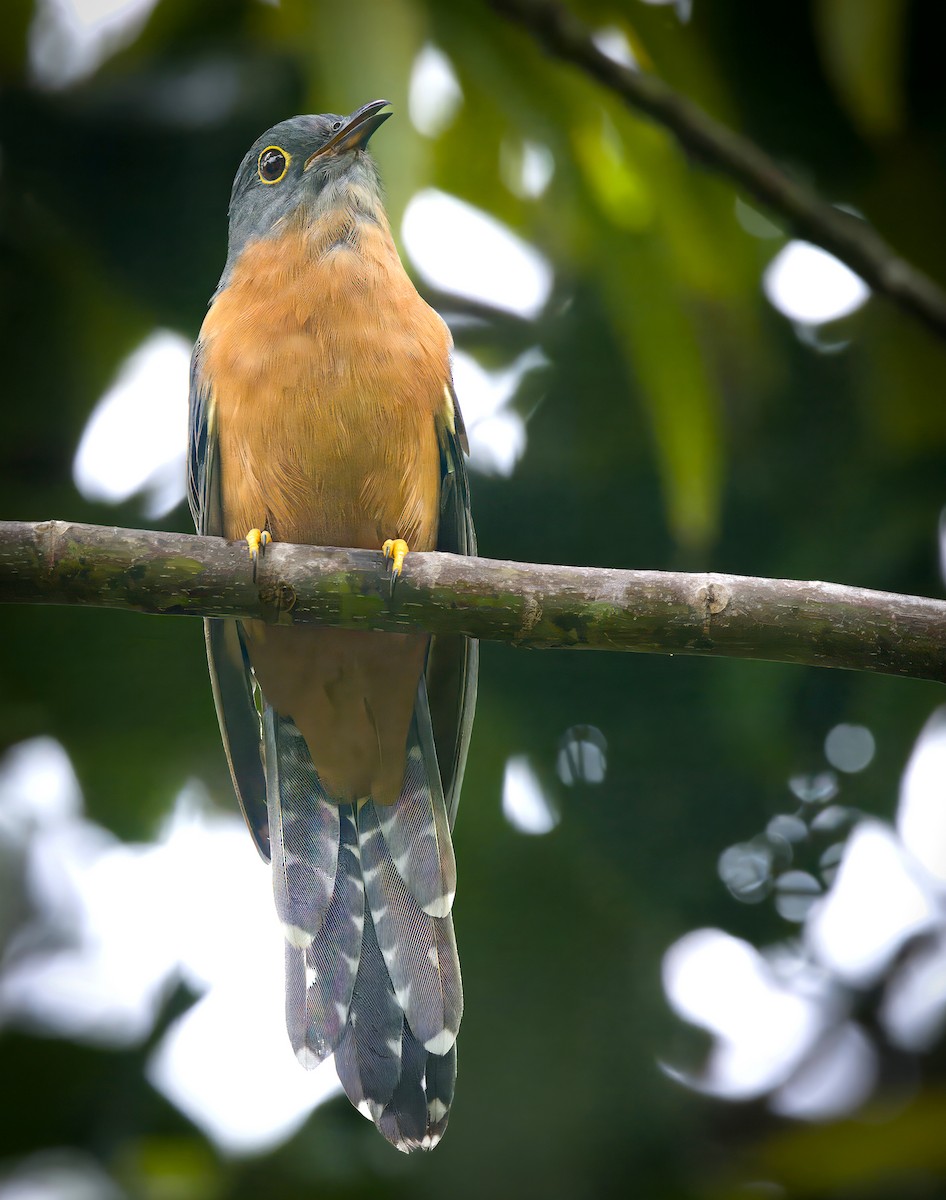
{"x": 364, "y": 893}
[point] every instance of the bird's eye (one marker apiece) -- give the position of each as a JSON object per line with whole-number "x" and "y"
{"x": 273, "y": 164}
{"x": 336, "y": 126}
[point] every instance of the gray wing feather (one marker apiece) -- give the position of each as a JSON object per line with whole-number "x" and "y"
{"x": 203, "y": 484}
{"x": 453, "y": 662}
{"x": 230, "y": 675}
{"x": 231, "y": 680}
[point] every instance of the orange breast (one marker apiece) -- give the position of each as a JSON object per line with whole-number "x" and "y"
{"x": 328, "y": 371}
{"x": 328, "y": 374}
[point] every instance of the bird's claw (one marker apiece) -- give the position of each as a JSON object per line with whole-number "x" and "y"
{"x": 396, "y": 550}
{"x": 257, "y": 540}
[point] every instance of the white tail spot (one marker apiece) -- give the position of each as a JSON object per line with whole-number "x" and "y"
{"x": 440, "y": 1043}
{"x": 440, "y": 906}
{"x": 300, "y": 938}
{"x": 307, "y": 1057}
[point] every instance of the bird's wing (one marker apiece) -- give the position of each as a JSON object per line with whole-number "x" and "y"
{"x": 230, "y": 674}
{"x": 453, "y": 662}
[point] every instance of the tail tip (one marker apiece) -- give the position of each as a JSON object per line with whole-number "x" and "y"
{"x": 309, "y": 1058}
{"x": 429, "y": 1141}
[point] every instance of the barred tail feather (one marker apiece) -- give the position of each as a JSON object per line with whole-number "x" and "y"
{"x": 368, "y": 1058}
{"x": 303, "y": 831}
{"x": 404, "y": 1119}
{"x": 417, "y": 1115}
{"x": 440, "y": 1081}
{"x": 416, "y": 828}
{"x": 364, "y": 893}
{"x": 419, "y": 950}
{"x": 320, "y": 979}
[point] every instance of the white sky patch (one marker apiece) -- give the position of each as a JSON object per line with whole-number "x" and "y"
{"x": 434, "y": 94}
{"x": 887, "y": 891}
{"x": 811, "y": 286}
{"x": 227, "y": 1062}
{"x": 91, "y": 985}
{"x": 497, "y": 433}
{"x": 834, "y": 1082}
{"x": 129, "y": 921}
{"x": 878, "y": 900}
{"x": 525, "y": 805}
{"x": 763, "y": 1029}
{"x": 538, "y": 167}
{"x": 106, "y": 982}
{"x": 526, "y": 168}
{"x": 921, "y": 814}
{"x": 460, "y": 249}
{"x": 914, "y": 1004}
{"x": 136, "y": 438}
{"x": 613, "y": 42}
{"x": 37, "y": 786}
{"x": 228, "y": 1065}
{"x": 69, "y": 39}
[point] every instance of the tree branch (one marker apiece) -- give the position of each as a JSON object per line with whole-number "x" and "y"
{"x": 544, "y": 607}
{"x": 850, "y": 239}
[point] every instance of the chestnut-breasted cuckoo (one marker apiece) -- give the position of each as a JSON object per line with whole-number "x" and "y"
{"x": 322, "y": 411}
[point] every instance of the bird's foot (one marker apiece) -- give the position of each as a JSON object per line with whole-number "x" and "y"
{"x": 396, "y": 550}
{"x": 257, "y": 540}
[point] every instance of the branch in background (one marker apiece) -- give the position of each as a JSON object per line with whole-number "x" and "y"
{"x": 510, "y": 324}
{"x": 544, "y": 607}
{"x": 851, "y": 240}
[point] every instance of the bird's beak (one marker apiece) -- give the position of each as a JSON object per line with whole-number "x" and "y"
{"x": 354, "y": 132}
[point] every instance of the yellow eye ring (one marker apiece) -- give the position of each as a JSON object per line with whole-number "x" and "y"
{"x": 272, "y": 164}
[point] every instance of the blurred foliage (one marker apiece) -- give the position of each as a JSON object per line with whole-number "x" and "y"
{"x": 683, "y": 424}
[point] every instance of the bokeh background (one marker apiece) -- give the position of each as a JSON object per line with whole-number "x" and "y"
{"x": 702, "y": 903}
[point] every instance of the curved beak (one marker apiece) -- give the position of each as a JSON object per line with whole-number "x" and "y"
{"x": 354, "y": 132}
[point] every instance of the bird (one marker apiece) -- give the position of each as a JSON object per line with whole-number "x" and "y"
{"x": 323, "y": 412}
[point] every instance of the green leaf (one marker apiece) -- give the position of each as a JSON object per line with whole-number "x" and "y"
{"x": 861, "y": 43}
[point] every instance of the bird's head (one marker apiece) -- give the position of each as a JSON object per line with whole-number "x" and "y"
{"x": 305, "y": 166}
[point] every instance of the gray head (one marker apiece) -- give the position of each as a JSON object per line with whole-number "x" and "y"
{"x": 304, "y": 163}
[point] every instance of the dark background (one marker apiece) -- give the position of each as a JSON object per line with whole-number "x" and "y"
{"x": 682, "y": 424}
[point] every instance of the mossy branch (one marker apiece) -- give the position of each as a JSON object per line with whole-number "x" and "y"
{"x": 524, "y": 604}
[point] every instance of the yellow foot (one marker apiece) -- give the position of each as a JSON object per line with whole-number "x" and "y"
{"x": 396, "y": 550}
{"x": 257, "y": 540}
